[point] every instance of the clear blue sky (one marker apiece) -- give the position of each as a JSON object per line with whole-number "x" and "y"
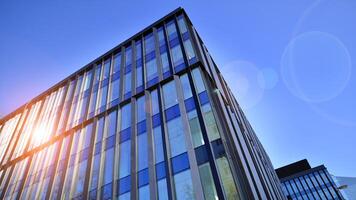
{"x": 291, "y": 64}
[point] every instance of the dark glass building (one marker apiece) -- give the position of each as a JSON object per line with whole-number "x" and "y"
{"x": 150, "y": 119}
{"x": 300, "y": 181}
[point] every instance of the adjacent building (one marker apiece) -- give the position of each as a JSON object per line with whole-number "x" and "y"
{"x": 300, "y": 181}
{"x": 152, "y": 118}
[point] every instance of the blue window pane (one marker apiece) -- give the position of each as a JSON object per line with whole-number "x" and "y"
{"x": 142, "y": 152}
{"x": 218, "y": 148}
{"x": 161, "y": 170}
{"x": 201, "y": 155}
{"x": 106, "y": 71}
{"x": 154, "y": 102}
{"x": 172, "y": 112}
{"x": 124, "y": 184}
{"x": 180, "y": 163}
{"x": 125, "y": 159}
{"x": 141, "y": 127}
{"x": 125, "y": 135}
{"x": 156, "y": 120}
{"x": 109, "y": 166}
{"x": 169, "y": 94}
{"x": 140, "y": 109}
{"x": 110, "y": 142}
{"x": 143, "y": 177}
{"x": 106, "y": 191}
{"x": 117, "y": 63}
{"x": 187, "y": 91}
{"x": 189, "y": 104}
{"x": 111, "y": 124}
{"x": 92, "y": 195}
{"x": 203, "y": 97}
{"x": 176, "y": 136}
{"x": 183, "y": 186}
{"x": 158, "y": 144}
{"x": 144, "y": 193}
{"x": 125, "y": 116}
{"x": 162, "y": 189}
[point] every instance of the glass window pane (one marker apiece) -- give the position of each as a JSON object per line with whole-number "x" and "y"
{"x": 151, "y": 69}
{"x": 177, "y": 55}
{"x": 195, "y": 130}
{"x": 142, "y": 152}
{"x": 140, "y": 111}
{"x": 170, "y": 94}
{"x": 126, "y": 116}
{"x": 144, "y": 193}
{"x": 227, "y": 179}
{"x": 183, "y": 186}
{"x": 117, "y": 63}
{"x": 187, "y": 91}
{"x": 108, "y": 166}
{"x": 125, "y": 158}
{"x": 158, "y": 145}
{"x": 198, "y": 80}
{"x": 162, "y": 189}
{"x": 176, "y": 136}
{"x": 207, "y": 181}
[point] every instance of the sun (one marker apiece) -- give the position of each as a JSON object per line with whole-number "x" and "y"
{"x": 39, "y": 134}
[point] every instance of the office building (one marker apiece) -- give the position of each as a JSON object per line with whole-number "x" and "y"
{"x": 300, "y": 181}
{"x": 152, "y": 118}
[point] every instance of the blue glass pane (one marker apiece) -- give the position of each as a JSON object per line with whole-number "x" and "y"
{"x": 189, "y": 104}
{"x": 124, "y": 185}
{"x": 106, "y": 191}
{"x": 218, "y": 148}
{"x": 92, "y": 195}
{"x": 84, "y": 154}
{"x": 110, "y": 142}
{"x": 203, "y": 97}
{"x": 125, "y": 135}
{"x": 127, "y": 95}
{"x": 139, "y": 89}
{"x": 141, "y": 127}
{"x": 156, "y": 120}
{"x": 172, "y": 112}
{"x": 166, "y": 74}
{"x": 174, "y": 42}
{"x": 161, "y": 170}
{"x": 201, "y": 155}
{"x": 97, "y": 148}
{"x": 180, "y": 163}
{"x": 152, "y": 82}
{"x": 180, "y": 67}
{"x": 143, "y": 177}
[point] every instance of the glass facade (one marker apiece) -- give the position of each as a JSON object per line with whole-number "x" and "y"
{"x": 151, "y": 119}
{"x": 312, "y": 184}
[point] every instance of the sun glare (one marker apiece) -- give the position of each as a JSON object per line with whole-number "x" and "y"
{"x": 39, "y": 133}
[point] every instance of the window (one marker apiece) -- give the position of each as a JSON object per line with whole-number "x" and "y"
{"x": 195, "y": 130}
{"x": 177, "y": 55}
{"x": 189, "y": 49}
{"x": 106, "y": 71}
{"x": 170, "y": 94}
{"x": 207, "y": 181}
{"x": 114, "y": 91}
{"x": 125, "y": 158}
{"x": 158, "y": 144}
{"x": 181, "y": 24}
{"x": 162, "y": 189}
{"x": 117, "y": 63}
{"x": 198, "y": 80}
{"x": 183, "y": 186}
{"x": 151, "y": 69}
{"x": 108, "y": 166}
{"x": 144, "y": 193}
{"x": 149, "y": 43}
{"x": 176, "y": 136}
{"x": 128, "y": 56}
{"x": 211, "y": 126}
{"x": 187, "y": 91}
{"x": 154, "y": 101}
{"x": 141, "y": 112}
{"x": 142, "y": 152}
{"x": 127, "y": 83}
{"x": 125, "y": 116}
{"x": 227, "y": 179}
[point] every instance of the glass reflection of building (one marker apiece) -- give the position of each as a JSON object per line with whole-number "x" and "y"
{"x": 151, "y": 119}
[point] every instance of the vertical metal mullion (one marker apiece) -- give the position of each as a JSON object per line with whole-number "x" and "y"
{"x": 213, "y": 167}
{"x": 151, "y": 149}
{"x": 89, "y": 161}
{"x": 165, "y": 143}
{"x": 133, "y": 155}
